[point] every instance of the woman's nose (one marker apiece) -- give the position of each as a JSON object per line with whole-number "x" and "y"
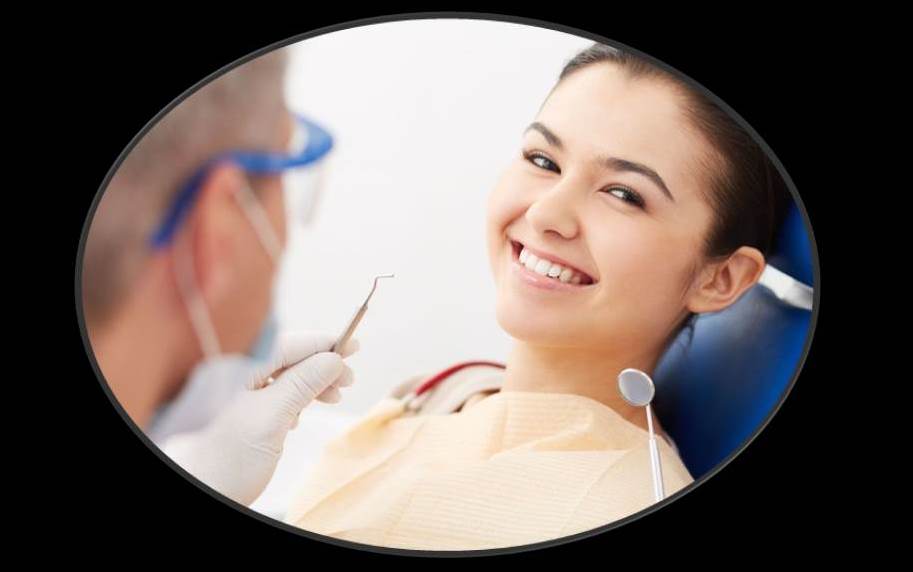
{"x": 555, "y": 211}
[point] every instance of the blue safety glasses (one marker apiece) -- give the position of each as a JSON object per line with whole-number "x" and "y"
{"x": 319, "y": 143}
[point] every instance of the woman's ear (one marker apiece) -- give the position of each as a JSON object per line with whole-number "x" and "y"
{"x": 720, "y": 284}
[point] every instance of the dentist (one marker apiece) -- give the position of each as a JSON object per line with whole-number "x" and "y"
{"x": 178, "y": 268}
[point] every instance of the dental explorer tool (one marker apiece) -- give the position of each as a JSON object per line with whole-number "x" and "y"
{"x": 359, "y": 314}
{"x": 346, "y": 334}
{"x": 637, "y": 388}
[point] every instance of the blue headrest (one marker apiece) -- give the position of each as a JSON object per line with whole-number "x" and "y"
{"x": 712, "y": 395}
{"x": 793, "y": 253}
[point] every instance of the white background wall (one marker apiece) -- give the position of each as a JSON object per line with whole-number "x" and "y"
{"x": 425, "y": 115}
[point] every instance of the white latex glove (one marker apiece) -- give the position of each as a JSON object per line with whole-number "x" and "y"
{"x": 237, "y": 453}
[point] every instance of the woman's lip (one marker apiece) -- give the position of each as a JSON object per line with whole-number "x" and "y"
{"x": 539, "y": 281}
{"x": 542, "y": 255}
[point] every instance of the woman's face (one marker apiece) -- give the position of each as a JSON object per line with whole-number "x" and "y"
{"x": 607, "y": 197}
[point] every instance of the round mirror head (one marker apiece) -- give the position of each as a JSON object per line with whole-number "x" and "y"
{"x": 636, "y": 387}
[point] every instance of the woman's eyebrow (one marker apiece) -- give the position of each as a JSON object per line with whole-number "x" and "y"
{"x": 547, "y": 133}
{"x": 613, "y": 163}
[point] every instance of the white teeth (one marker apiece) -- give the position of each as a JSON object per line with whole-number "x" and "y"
{"x": 542, "y": 267}
{"x": 550, "y": 269}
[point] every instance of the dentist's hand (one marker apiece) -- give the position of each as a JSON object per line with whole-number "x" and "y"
{"x": 237, "y": 453}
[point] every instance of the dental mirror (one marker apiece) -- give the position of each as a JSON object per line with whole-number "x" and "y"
{"x": 637, "y": 389}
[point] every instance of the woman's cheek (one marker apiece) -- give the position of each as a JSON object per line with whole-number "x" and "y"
{"x": 628, "y": 270}
{"x": 502, "y": 211}
{"x": 651, "y": 287}
{"x": 495, "y": 229}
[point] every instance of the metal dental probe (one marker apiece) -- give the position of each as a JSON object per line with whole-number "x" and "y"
{"x": 350, "y": 329}
{"x": 346, "y": 334}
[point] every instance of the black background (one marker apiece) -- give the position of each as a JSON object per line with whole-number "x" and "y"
{"x": 110, "y": 491}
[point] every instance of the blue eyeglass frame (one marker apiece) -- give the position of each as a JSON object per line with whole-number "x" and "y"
{"x": 319, "y": 143}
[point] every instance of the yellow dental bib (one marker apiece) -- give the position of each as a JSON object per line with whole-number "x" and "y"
{"x": 513, "y": 469}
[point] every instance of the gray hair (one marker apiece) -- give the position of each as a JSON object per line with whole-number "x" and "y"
{"x": 241, "y": 109}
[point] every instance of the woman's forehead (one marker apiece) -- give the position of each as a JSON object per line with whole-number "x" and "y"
{"x": 599, "y": 111}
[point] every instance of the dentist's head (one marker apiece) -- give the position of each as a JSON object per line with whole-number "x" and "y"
{"x": 182, "y": 250}
{"x": 634, "y": 204}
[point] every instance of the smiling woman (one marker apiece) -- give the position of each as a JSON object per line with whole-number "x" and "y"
{"x": 630, "y": 172}
{"x": 634, "y": 204}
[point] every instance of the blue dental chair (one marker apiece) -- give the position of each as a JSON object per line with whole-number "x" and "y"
{"x": 713, "y": 394}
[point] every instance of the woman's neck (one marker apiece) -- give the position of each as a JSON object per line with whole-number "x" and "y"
{"x": 581, "y": 372}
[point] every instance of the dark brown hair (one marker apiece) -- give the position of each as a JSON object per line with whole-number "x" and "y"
{"x": 745, "y": 190}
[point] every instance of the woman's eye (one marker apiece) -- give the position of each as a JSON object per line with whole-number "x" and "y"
{"x": 627, "y": 195}
{"x": 541, "y": 161}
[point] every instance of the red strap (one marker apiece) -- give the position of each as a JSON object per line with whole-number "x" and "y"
{"x": 450, "y": 371}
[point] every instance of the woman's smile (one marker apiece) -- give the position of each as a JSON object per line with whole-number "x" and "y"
{"x": 539, "y": 270}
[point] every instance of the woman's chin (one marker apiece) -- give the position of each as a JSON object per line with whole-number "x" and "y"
{"x": 535, "y": 328}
